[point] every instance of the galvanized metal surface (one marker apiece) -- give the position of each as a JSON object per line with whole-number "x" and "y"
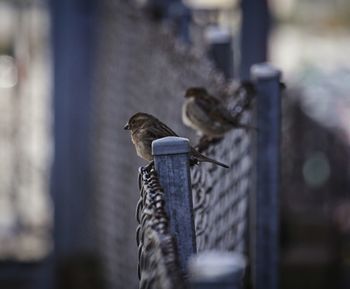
{"x": 171, "y": 161}
{"x": 265, "y": 208}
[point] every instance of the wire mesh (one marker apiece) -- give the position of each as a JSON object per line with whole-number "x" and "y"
{"x": 158, "y": 259}
{"x": 220, "y": 199}
{"x": 140, "y": 67}
{"x": 220, "y": 195}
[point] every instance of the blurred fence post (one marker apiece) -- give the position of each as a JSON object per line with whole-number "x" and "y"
{"x": 172, "y": 165}
{"x": 254, "y": 34}
{"x": 181, "y": 16}
{"x": 220, "y": 50}
{"x": 217, "y": 269}
{"x": 265, "y": 206}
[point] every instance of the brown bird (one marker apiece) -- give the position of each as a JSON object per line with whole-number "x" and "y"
{"x": 207, "y": 114}
{"x": 145, "y": 128}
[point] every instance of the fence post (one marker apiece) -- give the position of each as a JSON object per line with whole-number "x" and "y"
{"x": 220, "y": 49}
{"x": 217, "y": 269}
{"x": 172, "y": 165}
{"x": 181, "y": 16}
{"x": 265, "y": 204}
{"x": 254, "y": 34}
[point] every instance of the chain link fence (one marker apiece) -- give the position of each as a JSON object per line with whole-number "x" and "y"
{"x": 221, "y": 195}
{"x": 158, "y": 259}
{"x": 220, "y": 199}
{"x": 140, "y": 67}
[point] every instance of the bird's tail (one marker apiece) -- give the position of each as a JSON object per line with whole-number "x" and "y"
{"x": 201, "y": 158}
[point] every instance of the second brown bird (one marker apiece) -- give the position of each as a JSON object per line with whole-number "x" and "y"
{"x": 207, "y": 114}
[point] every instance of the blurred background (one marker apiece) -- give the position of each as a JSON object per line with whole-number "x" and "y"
{"x": 72, "y": 72}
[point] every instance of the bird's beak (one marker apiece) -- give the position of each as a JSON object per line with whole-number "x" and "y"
{"x": 126, "y": 127}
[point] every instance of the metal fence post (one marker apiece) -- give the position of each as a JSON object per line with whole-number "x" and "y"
{"x": 220, "y": 50}
{"x": 217, "y": 269}
{"x": 265, "y": 205}
{"x": 254, "y": 34}
{"x": 181, "y": 16}
{"x": 172, "y": 165}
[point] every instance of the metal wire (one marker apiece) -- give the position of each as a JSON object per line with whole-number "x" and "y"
{"x": 220, "y": 203}
{"x": 140, "y": 67}
{"x": 220, "y": 195}
{"x": 158, "y": 260}
{"x": 220, "y": 199}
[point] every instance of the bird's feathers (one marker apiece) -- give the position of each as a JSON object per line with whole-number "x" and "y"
{"x": 145, "y": 128}
{"x": 207, "y": 114}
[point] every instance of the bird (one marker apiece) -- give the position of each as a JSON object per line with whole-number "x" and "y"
{"x": 145, "y": 128}
{"x": 207, "y": 114}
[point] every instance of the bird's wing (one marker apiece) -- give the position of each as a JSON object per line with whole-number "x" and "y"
{"x": 215, "y": 110}
{"x": 208, "y": 104}
{"x": 160, "y": 130}
{"x": 223, "y": 115}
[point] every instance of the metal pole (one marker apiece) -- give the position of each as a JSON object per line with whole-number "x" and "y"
{"x": 217, "y": 269}
{"x": 254, "y": 34}
{"x": 220, "y": 50}
{"x": 265, "y": 207}
{"x": 73, "y": 43}
{"x": 172, "y": 165}
{"x": 180, "y": 16}
{"x": 73, "y": 36}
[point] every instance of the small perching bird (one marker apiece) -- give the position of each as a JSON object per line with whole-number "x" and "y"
{"x": 207, "y": 114}
{"x": 145, "y": 128}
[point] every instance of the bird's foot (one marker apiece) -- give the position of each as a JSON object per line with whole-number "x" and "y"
{"x": 149, "y": 166}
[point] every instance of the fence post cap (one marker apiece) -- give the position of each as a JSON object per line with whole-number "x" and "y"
{"x": 264, "y": 71}
{"x": 216, "y": 34}
{"x": 214, "y": 265}
{"x": 170, "y": 145}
